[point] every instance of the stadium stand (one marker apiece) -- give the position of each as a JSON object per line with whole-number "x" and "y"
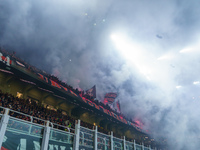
{"x": 36, "y": 112}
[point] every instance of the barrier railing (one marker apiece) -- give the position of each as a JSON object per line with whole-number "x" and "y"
{"x": 86, "y": 138}
{"x": 61, "y": 136}
{"x": 24, "y": 127}
{"x": 117, "y": 143}
{"x": 22, "y": 131}
{"x": 103, "y": 141}
{"x": 138, "y": 147}
{"x": 129, "y": 145}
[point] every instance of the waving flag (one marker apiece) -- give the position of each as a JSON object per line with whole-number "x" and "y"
{"x": 109, "y": 98}
{"x": 91, "y": 92}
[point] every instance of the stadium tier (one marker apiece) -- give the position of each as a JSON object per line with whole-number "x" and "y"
{"x": 44, "y": 110}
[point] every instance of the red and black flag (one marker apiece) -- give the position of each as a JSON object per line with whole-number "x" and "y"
{"x": 109, "y": 98}
{"x": 91, "y": 92}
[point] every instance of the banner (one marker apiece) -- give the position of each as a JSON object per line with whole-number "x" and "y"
{"x": 17, "y": 141}
{"x": 92, "y": 92}
{"x": 20, "y": 141}
{"x": 109, "y": 98}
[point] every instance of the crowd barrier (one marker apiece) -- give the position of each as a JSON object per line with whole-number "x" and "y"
{"x": 25, "y": 134}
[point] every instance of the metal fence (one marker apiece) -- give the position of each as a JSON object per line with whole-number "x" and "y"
{"x": 86, "y": 138}
{"x": 103, "y": 141}
{"x": 34, "y": 133}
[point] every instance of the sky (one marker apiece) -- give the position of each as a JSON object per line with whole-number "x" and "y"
{"x": 146, "y": 51}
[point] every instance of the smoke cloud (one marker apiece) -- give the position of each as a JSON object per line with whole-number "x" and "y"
{"x": 158, "y": 83}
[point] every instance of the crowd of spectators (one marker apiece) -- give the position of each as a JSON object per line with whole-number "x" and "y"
{"x": 33, "y": 108}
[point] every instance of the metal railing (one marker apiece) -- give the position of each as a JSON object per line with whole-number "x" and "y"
{"x": 103, "y": 141}
{"x": 22, "y": 131}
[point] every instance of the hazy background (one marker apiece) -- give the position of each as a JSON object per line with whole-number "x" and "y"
{"x": 147, "y": 51}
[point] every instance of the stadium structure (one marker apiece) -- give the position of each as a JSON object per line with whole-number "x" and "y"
{"x": 37, "y": 111}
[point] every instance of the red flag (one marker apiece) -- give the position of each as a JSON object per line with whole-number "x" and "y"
{"x": 109, "y": 98}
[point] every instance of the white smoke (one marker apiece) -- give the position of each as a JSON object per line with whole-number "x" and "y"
{"x": 71, "y": 39}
